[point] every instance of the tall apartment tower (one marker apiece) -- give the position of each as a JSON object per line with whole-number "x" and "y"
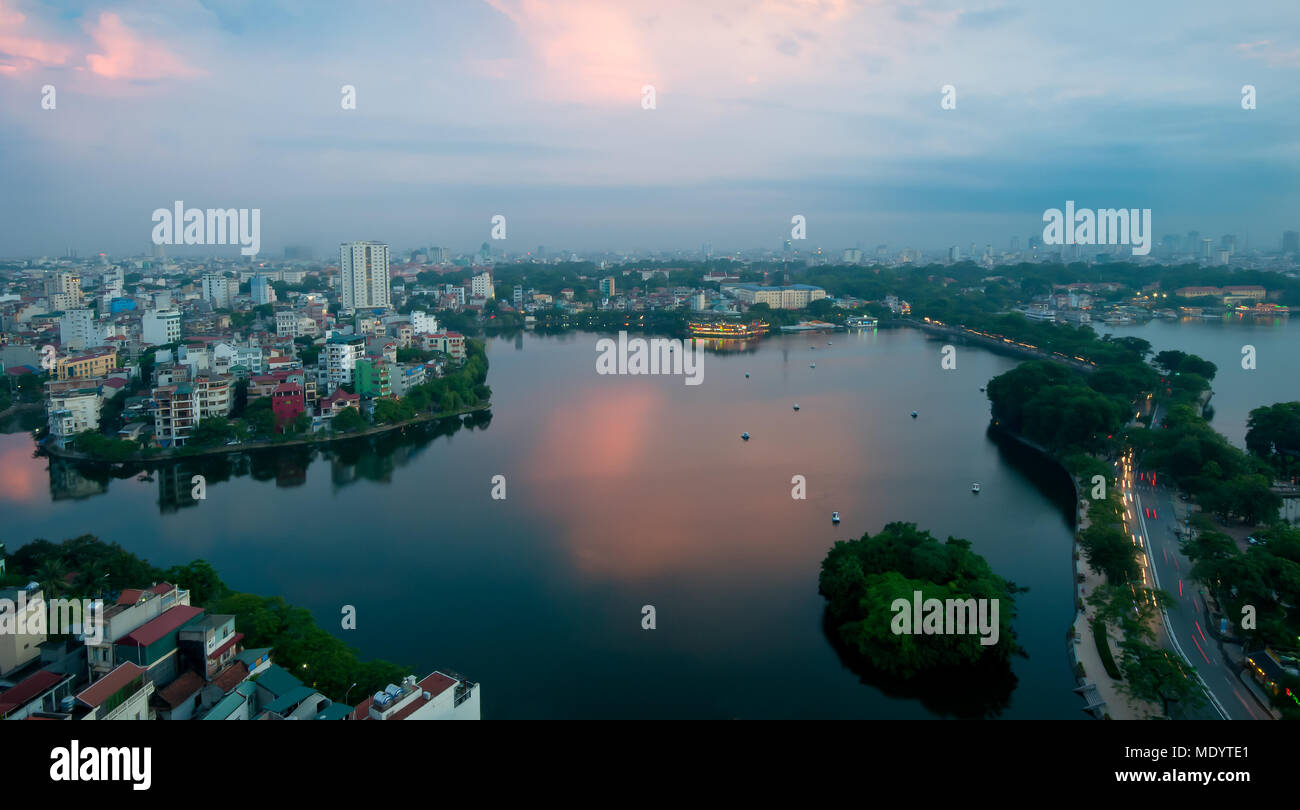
{"x": 363, "y": 275}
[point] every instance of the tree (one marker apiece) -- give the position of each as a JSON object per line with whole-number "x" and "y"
{"x": 861, "y": 579}
{"x": 1152, "y": 674}
{"x": 348, "y": 420}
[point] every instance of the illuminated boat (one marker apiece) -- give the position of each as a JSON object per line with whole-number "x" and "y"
{"x": 732, "y": 330}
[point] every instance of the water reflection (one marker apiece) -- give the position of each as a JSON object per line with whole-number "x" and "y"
{"x": 366, "y": 458}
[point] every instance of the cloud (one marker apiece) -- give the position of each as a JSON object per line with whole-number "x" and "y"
{"x": 1269, "y": 52}
{"x": 127, "y": 55}
{"x": 20, "y": 50}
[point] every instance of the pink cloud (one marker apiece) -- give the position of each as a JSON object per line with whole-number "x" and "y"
{"x": 596, "y": 52}
{"x": 20, "y": 50}
{"x": 128, "y": 55}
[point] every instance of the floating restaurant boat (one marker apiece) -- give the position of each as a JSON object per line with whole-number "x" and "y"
{"x": 732, "y": 330}
{"x": 975, "y": 488}
{"x": 835, "y": 517}
{"x": 861, "y": 322}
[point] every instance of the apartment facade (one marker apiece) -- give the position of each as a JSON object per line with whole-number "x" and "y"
{"x": 364, "y": 275}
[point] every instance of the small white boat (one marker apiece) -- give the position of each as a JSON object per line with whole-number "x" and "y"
{"x": 745, "y": 436}
{"x": 796, "y": 406}
{"x": 913, "y": 414}
{"x": 747, "y": 375}
{"x": 975, "y": 487}
{"x": 835, "y": 517}
{"x": 812, "y": 365}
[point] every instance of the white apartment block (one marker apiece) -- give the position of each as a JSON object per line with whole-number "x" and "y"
{"x": 481, "y": 285}
{"x": 341, "y": 355}
{"x": 437, "y": 697}
{"x": 71, "y": 412}
{"x": 78, "y": 330}
{"x": 180, "y": 407}
{"x": 160, "y": 326}
{"x": 219, "y": 290}
{"x": 363, "y": 275}
{"x": 423, "y": 322}
{"x": 133, "y": 609}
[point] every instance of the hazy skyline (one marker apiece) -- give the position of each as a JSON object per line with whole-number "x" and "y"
{"x": 532, "y": 109}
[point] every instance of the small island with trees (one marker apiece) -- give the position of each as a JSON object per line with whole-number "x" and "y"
{"x": 862, "y": 579}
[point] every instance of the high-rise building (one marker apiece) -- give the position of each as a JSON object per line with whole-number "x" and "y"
{"x": 1207, "y": 248}
{"x": 1228, "y": 243}
{"x": 608, "y": 287}
{"x": 261, "y": 289}
{"x": 1291, "y": 241}
{"x": 363, "y": 275}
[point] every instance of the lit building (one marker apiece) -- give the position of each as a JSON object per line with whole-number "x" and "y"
{"x": 179, "y": 408}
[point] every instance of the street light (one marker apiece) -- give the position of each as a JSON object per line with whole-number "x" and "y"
{"x": 345, "y": 693}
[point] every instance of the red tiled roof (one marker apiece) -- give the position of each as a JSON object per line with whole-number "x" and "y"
{"x": 162, "y": 588}
{"x": 105, "y": 687}
{"x": 231, "y": 676}
{"x": 25, "y": 690}
{"x": 181, "y": 689}
{"x": 115, "y": 382}
{"x": 155, "y": 629}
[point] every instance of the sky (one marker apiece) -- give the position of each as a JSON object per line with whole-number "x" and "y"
{"x": 535, "y": 110}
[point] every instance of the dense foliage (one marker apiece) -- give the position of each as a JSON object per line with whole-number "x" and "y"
{"x": 861, "y": 579}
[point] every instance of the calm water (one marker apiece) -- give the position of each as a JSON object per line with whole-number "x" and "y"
{"x": 622, "y": 492}
{"x": 1237, "y": 391}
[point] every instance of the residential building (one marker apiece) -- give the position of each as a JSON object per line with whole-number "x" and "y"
{"x": 481, "y": 285}
{"x": 262, "y": 291}
{"x": 79, "y": 331}
{"x": 83, "y": 366}
{"x": 341, "y": 354}
{"x": 373, "y": 378}
{"x": 287, "y": 402}
{"x": 25, "y": 607}
{"x": 122, "y": 694}
{"x": 154, "y": 644}
{"x": 440, "y": 696}
{"x": 70, "y": 411}
{"x": 208, "y": 645}
{"x": 178, "y": 408}
{"x": 363, "y": 275}
{"x": 134, "y": 608}
{"x": 160, "y": 326}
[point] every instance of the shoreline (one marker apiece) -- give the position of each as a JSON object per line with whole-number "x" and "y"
{"x": 1080, "y": 642}
{"x": 169, "y": 456}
